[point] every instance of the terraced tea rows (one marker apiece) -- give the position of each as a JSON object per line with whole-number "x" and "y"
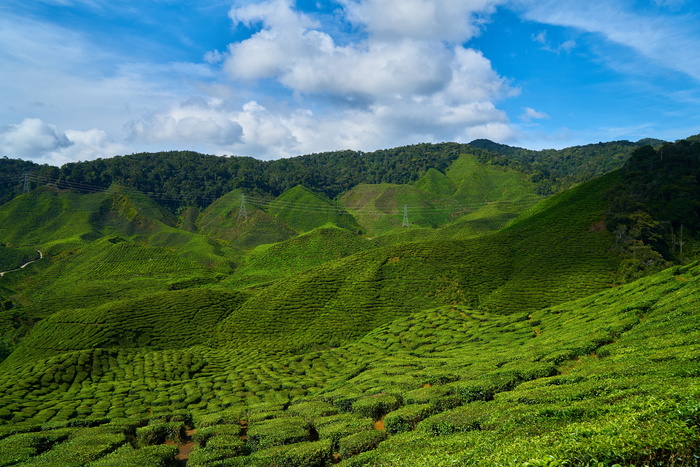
{"x": 474, "y": 387}
{"x": 499, "y": 339}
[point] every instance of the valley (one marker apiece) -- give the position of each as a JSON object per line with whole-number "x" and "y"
{"x": 426, "y": 306}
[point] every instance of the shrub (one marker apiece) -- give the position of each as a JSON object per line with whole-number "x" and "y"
{"x": 376, "y": 405}
{"x": 83, "y": 446}
{"x": 203, "y": 435}
{"x": 22, "y": 446}
{"x": 483, "y": 389}
{"x": 228, "y": 416}
{"x": 276, "y": 432}
{"x": 306, "y": 454}
{"x": 127, "y": 456}
{"x": 339, "y": 426}
{"x": 360, "y": 442}
{"x": 425, "y": 394}
{"x": 407, "y": 417}
{"x": 157, "y": 434}
{"x": 465, "y": 418}
{"x": 217, "y": 451}
{"x": 313, "y": 409}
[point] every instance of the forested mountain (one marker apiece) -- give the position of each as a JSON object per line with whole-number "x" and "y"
{"x": 180, "y": 179}
{"x": 555, "y": 170}
{"x": 420, "y": 306}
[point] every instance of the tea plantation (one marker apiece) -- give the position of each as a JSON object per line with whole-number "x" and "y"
{"x": 495, "y": 330}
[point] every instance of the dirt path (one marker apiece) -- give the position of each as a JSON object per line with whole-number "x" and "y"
{"x": 2, "y": 273}
{"x": 184, "y": 447}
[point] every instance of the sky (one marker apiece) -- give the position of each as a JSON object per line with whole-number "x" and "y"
{"x": 82, "y": 79}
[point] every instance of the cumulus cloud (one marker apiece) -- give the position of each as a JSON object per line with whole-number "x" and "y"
{"x": 36, "y": 140}
{"x": 307, "y": 60}
{"x": 87, "y": 145}
{"x": 442, "y": 20}
{"x": 195, "y": 120}
{"x": 407, "y": 80}
{"x": 32, "y": 138}
{"x": 294, "y": 86}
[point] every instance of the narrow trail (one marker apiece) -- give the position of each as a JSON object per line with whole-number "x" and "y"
{"x": 2, "y": 273}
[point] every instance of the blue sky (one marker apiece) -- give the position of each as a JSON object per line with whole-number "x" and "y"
{"x": 81, "y": 79}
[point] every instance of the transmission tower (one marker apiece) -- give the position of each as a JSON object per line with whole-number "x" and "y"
{"x": 405, "y": 216}
{"x": 242, "y": 212}
{"x": 25, "y": 188}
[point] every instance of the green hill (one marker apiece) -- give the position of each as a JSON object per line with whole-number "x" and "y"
{"x": 608, "y": 378}
{"x": 380, "y": 208}
{"x": 437, "y": 183}
{"x": 478, "y": 184}
{"x": 223, "y": 220}
{"x": 438, "y": 199}
{"x": 498, "y": 328}
{"x": 271, "y": 262}
{"x": 304, "y": 210}
{"x": 47, "y": 216}
{"x": 520, "y": 270}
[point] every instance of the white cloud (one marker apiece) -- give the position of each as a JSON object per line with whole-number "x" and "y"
{"x": 292, "y": 88}
{"x": 36, "y": 140}
{"x": 566, "y": 46}
{"x": 86, "y": 145}
{"x": 194, "y": 121}
{"x": 31, "y": 138}
{"x": 541, "y": 37}
{"x": 404, "y": 82}
{"x": 442, "y": 20}
{"x": 529, "y": 114}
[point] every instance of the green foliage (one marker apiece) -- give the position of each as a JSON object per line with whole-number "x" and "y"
{"x": 158, "y": 433}
{"x": 277, "y": 431}
{"x": 654, "y": 212}
{"x": 148, "y": 456}
{"x": 268, "y": 263}
{"x": 555, "y": 170}
{"x": 304, "y": 210}
{"x": 23, "y": 446}
{"x": 13, "y": 175}
{"x": 510, "y": 348}
{"x": 313, "y": 410}
{"x": 303, "y": 454}
{"x": 407, "y": 417}
{"x": 360, "y": 442}
{"x": 465, "y": 418}
{"x": 339, "y": 426}
{"x": 14, "y": 258}
{"x": 376, "y": 405}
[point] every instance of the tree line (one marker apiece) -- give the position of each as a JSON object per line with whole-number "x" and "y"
{"x": 179, "y": 179}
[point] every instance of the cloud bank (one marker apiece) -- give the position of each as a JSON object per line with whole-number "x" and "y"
{"x": 405, "y": 79}
{"x": 368, "y": 74}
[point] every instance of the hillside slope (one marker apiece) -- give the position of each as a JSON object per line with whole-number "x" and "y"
{"x": 505, "y": 336}
{"x": 437, "y": 198}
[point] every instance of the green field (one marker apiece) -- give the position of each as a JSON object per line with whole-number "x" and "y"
{"x": 499, "y": 328}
